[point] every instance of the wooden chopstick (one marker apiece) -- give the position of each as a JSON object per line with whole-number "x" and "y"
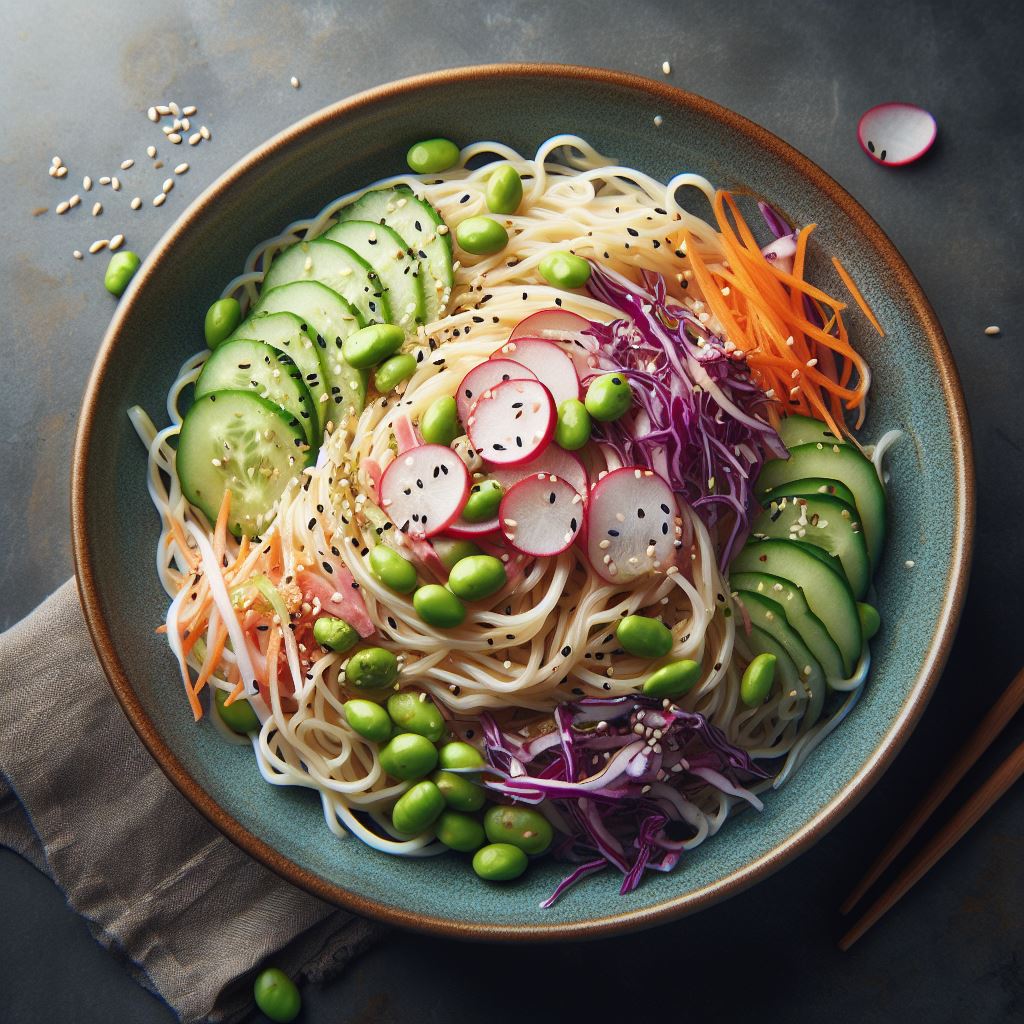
{"x": 947, "y": 837}
{"x": 990, "y": 727}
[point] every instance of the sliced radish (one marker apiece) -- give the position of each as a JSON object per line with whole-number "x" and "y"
{"x": 552, "y": 325}
{"x": 552, "y": 460}
{"x": 469, "y": 531}
{"x": 423, "y": 490}
{"x": 484, "y": 376}
{"x": 512, "y": 422}
{"x": 549, "y": 363}
{"x": 541, "y": 515}
{"x": 895, "y": 134}
{"x": 631, "y": 524}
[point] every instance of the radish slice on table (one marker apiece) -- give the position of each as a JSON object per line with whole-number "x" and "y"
{"x": 631, "y": 524}
{"x": 512, "y": 422}
{"x": 552, "y": 460}
{"x": 541, "y": 515}
{"x": 484, "y": 376}
{"x": 423, "y": 490}
{"x": 470, "y": 531}
{"x": 895, "y": 134}
{"x": 552, "y": 367}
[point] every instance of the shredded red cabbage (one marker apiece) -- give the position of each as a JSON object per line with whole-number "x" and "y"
{"x": 616, "y": 777}
{"x": 700, "y": 419}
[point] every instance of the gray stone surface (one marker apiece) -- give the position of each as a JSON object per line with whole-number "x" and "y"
{"x": 74, "y": 81}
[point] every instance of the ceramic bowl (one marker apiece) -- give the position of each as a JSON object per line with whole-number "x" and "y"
{"x": 159, "y": 323}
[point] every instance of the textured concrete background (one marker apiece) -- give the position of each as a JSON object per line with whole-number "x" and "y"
{"x": 74, "y": 78}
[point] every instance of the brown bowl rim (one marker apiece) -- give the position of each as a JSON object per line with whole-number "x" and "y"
{"x": 836, "y": 809}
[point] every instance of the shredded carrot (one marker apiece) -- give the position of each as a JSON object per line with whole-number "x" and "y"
{"x": 235, "y": 693}
{"x": 857, "y": 297}
{"x": 213, "y": 655}
{"x": 767, "y": 313}
{"x": 177, "y": 536}
{"x": 220, "y": 530}
{"x": 162, "y": 628}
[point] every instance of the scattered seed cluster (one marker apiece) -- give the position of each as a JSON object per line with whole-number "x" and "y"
{"x": 177, "y": 128}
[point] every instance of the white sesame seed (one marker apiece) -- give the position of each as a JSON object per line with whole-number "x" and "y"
{"x": 181, "y": 169}
{"x": 152, "y": 114}
{"x": 151, "y": 151}
{"x": 86, "y": 183}
{"x": 77, "y": 254}
{"x": 162, "y": 109}
{"x": 105, "y": 180}
{"x": 175, "y": 124}
{"x": 167, "y": 129}
{"x": 125, "y": 164}
{"x": 658, "y": 120}
{"x": 97, "y": 209}
{"x": 100, "y": 243}
{"x": 174, "y": 139}
{"x": 189, "y": 110}
{"x": 666, "y": 68}
{"x": 52, "y": 171}
{"x": 909, "y": 563}
{"x": 159, "y": 200}
{"x": 186, "y": 124}
{"x": 443, "y": 229}
{"x": 74, "y": 200}
{"x": 295, "y": 82}
{"x": 56, "y": 161}
{"x": 168, "y": 184}
{"x": 63, "y": 207}
{"x": 205, "y": 132}
{"x": 194, "y": 140}
{"x": 116, "y": 242}
{"x": 175, "y": 109}
{"x": 992, "y": 331}
{"x": 136, "y": 203}
{"x": 115, "y": 184}
{"x": 60, "y": 172}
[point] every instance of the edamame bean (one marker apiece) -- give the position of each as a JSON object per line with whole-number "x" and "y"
{"x": 439, "y": 424}
{"x": 499, "y": 862}
{"x": 393, "y": 371}
{"x": 370, "y": 720}
{"x": 504, "y": 190}
{"x": 432, "y": 156}
{"x": 757, "y": 680}
{"x": 477, "y": 577}
{"x": 460, "y": 831}
{"x": 416, "y": 712}
{"x": 221, "y": 319}
{"x": 609, "y": 397}
{"x": 460, "y": 755}
{"x": 643, "y": 636}
{"x": 372, "y": 668}
{"x": 460, "y": 793}
{"x": 276, "y": 995}
{"x": 438, "y": 606}
{"x": 392, "y": 569}
{"x": 120, "y": 270}
{"x": 520, "y": 826}
{"x": 572, "y": 431}
{"x": 417, "y": 808}
{"x": 452, "y": 551}
{"x": 564, "y": 270}
{"x": 481, "y": 236}
{"x": 334, "y": 634}
{"x": 483, "y": 501}
{"x": 673, "y": 679}
{"x": 238, "y": 716}
{"x": 409, "y": 756}
{"x": 371, "y": 345}
{"x": 870, "y": 620}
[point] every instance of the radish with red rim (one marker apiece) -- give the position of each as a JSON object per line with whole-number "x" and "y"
{"x": 632, "y": 524}
{"x": 552, "y": 460}
{"x": 541, "y": 515}
{"x": 424, "y": 489}
{"x": 551, "y": 325}
{"x": 552, "y": 367}
{"x": 484, "y": 376}
{"x": 512, "y": 422}
{"x": 471, "y": 531}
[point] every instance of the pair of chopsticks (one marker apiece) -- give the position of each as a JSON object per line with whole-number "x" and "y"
{"x": 956, "y": 828}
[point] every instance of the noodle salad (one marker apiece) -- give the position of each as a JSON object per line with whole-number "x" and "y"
{"x": 516, "y": 511}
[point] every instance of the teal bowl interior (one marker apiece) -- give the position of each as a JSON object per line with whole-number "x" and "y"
{"x": 159, "y": 323}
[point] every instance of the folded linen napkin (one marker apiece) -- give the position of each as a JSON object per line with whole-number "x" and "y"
{"x": 190, "y": 913}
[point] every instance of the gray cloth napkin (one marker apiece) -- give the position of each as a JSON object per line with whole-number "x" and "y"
{"x": 81, "y": 798}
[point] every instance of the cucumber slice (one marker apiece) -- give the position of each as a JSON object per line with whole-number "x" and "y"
{"x": 397, "y": 269}
{"x": 797, "y": 430}
{"x": 834, "y": 462}
{"x": 813, "y": 487}
{"x": 417, "y": 222}
{"x": 771, "y": 618}
{"x": 337, "y": 267}
{"x": 798, "y": 614}
{"x": 333, "y": 320}
{"x": 236, "y": 440}
{"x": 826, "y": 589}
{"x": 255, "y": 366}
{"x": 286, "y": 333}
{"x": 825, "y": 522}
